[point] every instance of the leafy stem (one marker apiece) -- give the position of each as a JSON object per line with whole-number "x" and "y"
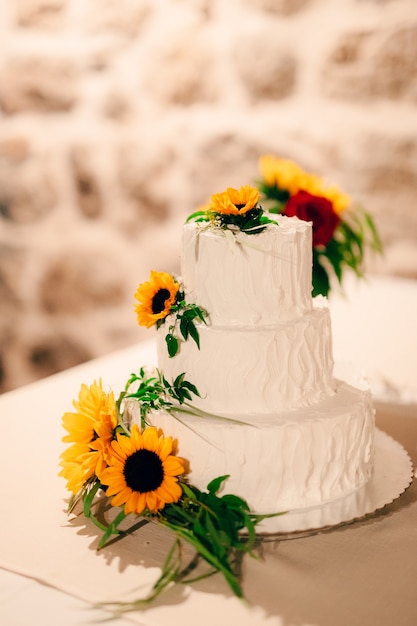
{"x": 155, "y": 393}
{"x": 345, "y": 250}
{"x": 252, "y": 222}
{"x": 185, "y": 315}
{"x": 220, "y": 529}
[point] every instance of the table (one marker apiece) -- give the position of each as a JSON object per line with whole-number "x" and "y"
{"x": 360, "y": 574}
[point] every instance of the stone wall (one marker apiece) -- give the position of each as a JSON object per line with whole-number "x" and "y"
{"x": 119, "y": 117}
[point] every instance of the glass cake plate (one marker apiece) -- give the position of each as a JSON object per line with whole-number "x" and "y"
{"x": 392, "y": 474}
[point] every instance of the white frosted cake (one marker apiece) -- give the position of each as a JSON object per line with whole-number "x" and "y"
{"x": 289, "y": 434}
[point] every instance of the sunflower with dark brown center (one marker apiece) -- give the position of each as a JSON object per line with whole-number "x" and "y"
{"x": 155, "y": 298}
{"x": 142, "y": 472}
{"x": 234, "y": 201}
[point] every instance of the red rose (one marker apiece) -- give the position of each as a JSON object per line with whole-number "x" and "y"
{"x": 314, "y": 209}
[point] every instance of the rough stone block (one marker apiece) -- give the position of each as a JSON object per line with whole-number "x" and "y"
{"x": 27, "y": 190}
{"x": 81, "y": 280}
{"x": 86, "y": 183}
{"x": 38, "y": 83}
{"x": 54, "y": 353}
{"x": 279, "y": 7}
{"x": 180, "y": 70}
{"x": 126, "y": 17}
{"x": 144, "y": 178}
{"x": 266, "y": 71}
{"x": 377, "y": 64}
{"x": 14, "y": 148}
{"x": 40, "y": 14}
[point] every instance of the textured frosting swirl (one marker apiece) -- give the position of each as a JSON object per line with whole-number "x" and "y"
{"x": 257, "y": 369}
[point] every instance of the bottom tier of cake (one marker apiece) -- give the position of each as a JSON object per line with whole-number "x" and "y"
{"x": 289, "y": 461}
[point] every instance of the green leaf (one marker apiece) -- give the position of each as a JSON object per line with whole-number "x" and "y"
{"x": 190, "y": 492}
{"x": 190, "y": 312}
{"x": 112, "y": 529}
{"x": 194, "y": 333}
{"x": 215, "y": 484}
{"x": 179, "y": 380}
{"x": 198, "y": 216}
{"x": 160, "y": 322}
{"x": 172, "y": 345}
{"x": 184, "y": 327}
{"x": 88, "y": 496}
{"x": 321, "y": 282}
{"x": 275, "y": 194}
{"x": 191, "y": 387}
{"x": 375, "y": 241}
{"x": 201, "y": 314}
{"x": 234, "y": 502}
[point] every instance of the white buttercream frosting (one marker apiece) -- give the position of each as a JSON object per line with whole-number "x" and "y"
{"x": 245, "y": 279}
{"x": 282, "y": 462}
{"x": 257, "y": 369}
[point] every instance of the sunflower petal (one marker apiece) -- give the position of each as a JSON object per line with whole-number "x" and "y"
{"x": 150, "y": 439}
{"x": 173, "y": 466}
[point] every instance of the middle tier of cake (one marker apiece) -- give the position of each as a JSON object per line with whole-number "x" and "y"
{"x": 256, "y": 369}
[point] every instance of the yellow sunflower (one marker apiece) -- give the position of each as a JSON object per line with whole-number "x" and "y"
{"x": 142, "y": 473}
{"x": 282, "y": 173}
{"x": 234, "y": 201}
{"x": 340, "y": 200}
{"x": 289, "y": 176}
{"x": 155, "y": 298}
{"x": 90, "y": 430}
{"x": 76, "y": 466}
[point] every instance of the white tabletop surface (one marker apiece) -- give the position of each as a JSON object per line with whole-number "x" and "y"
{"x": 24, "y": 600}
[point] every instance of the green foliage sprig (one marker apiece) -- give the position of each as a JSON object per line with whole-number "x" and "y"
{"x": 252, "y": 222}
{"x": 221, "y": 529}
{"x": 213, "y": 525}
{"x": 346, "y": 250}
{"x": 184, "y": 319}
{"x": 155, "y": 393}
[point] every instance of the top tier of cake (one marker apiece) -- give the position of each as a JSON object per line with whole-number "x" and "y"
{"x": 247, "y": 280}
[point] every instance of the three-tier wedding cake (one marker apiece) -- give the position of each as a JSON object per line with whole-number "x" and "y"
{"x": 269, "y": 413}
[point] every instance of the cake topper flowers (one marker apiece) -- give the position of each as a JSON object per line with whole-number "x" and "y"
{"x": 135, "y": 470}
{"x": 341, "y": 232}
{"x": 161, "y": 297}
{"x": 234, "y": 209}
